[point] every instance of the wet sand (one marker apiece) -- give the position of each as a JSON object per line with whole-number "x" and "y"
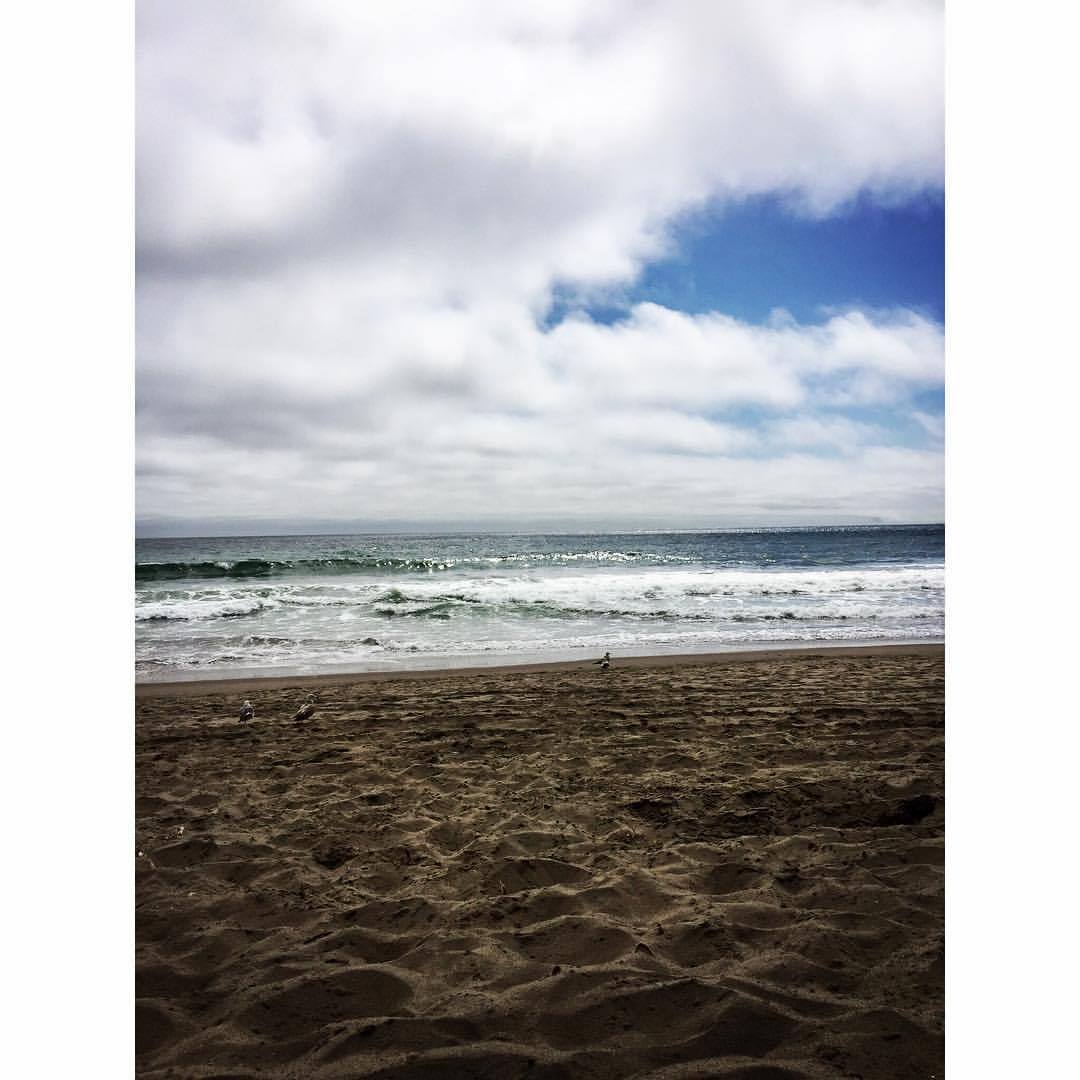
{"x": 681, "y": 867}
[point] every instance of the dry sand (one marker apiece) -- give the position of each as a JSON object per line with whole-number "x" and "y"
{"x": 720, "y": 868}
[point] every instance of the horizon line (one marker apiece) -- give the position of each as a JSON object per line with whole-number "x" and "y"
{"x": 551, "y": 532}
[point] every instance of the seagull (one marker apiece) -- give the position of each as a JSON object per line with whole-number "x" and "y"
{"x": 307, "y": 710}
{"x": 247, "y": 711}
{"x": 604, "y": 661}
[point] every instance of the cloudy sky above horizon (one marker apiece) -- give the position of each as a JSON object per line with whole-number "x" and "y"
{"x": 575, "y": 264}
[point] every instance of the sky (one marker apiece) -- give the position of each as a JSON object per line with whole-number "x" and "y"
{"x": 571, "y": 265}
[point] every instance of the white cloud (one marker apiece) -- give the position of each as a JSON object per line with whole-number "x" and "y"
{"x": 352, "y": 217}
{"x": 934, "y": 425}
{"x": 453, "y": 416}
{"x": 540, "y": 146}
{"x": 828, "y": 432}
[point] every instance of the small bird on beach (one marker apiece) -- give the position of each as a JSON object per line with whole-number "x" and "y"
{"x": 307, "y": 710}
{"x": 604, "y": 661}
{"x": 247, "y": 711}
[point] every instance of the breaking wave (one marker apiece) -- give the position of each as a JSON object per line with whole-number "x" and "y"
{"x": 304, "y": 604}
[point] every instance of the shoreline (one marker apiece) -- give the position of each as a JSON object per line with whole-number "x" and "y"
{"x": 244, "y": 684}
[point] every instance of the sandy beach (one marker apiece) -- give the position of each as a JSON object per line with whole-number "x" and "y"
{"x": 726, "y": 866}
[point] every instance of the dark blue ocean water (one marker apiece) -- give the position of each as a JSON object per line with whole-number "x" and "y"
{"x": 238, "y": 605}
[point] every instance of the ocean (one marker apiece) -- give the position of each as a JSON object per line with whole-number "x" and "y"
{"x": 241, "y": 606}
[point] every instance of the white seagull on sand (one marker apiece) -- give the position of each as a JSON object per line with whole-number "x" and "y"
{"x": 247, "y": 711}
{"x": 604, "y": 661}
{"x": 307, "y": 710}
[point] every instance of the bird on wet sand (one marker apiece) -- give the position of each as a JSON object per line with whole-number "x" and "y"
{"x": 604, "y": 661}
{"x": 307, "y": 710}
{"x": 247, "y": 711}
